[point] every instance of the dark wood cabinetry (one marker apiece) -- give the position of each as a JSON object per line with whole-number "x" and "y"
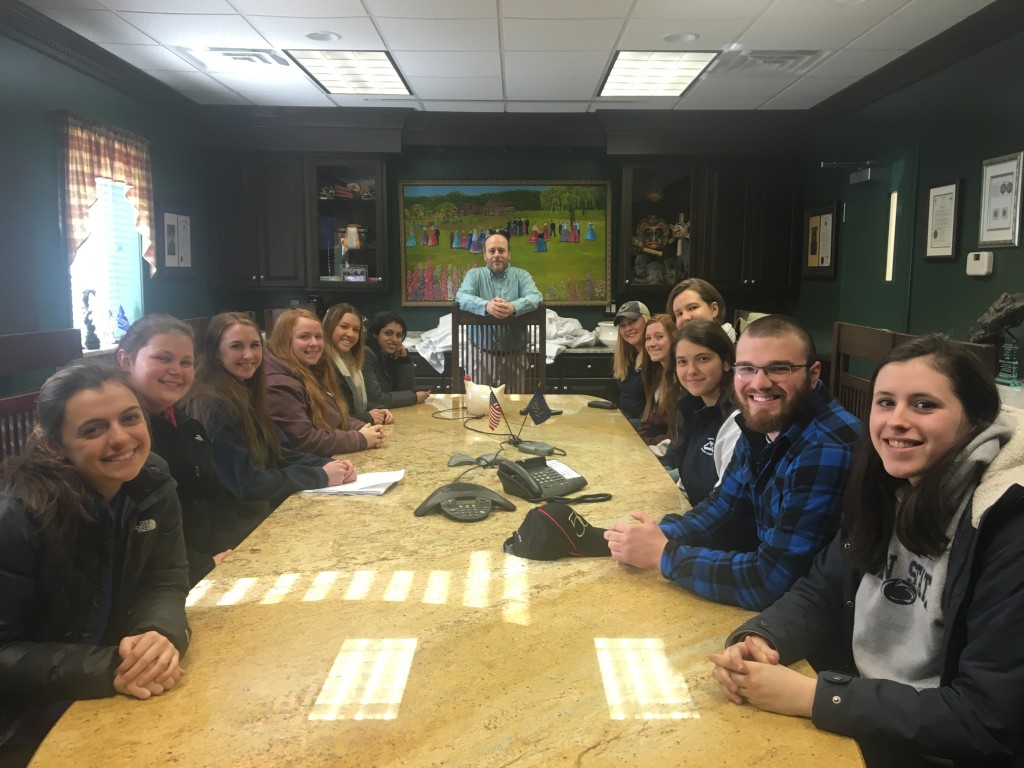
{"x": 268, "y": 246}
{"x": 312, "y": 222}
{"x": 747, "y": 238}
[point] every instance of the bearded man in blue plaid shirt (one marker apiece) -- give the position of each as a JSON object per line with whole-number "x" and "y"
{"x": 780, "y": 498}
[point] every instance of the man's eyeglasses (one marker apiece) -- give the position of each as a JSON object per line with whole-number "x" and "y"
{"x": 774, "y": 372}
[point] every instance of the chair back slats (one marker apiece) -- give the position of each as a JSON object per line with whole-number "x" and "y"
{"x": 39, "y": 351}
{"x": 857, "y": 351}
{"x": 511, "y": 351}
{"x": 17, "y": 418}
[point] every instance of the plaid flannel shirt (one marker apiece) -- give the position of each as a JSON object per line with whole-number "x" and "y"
{"x": 757, "y": 533}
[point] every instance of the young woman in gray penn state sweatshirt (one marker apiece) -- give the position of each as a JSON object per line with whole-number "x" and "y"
{"x": 916, "y": 611}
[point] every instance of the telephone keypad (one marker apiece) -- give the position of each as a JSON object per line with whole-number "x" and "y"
{"x": 467, "y": 510}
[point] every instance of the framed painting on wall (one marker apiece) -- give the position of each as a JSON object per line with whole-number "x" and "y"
{"x": 558, "y": 231}
{"x": 820, "y": 225}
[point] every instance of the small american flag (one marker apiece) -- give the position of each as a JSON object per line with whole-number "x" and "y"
{"x": 494, "y": 413}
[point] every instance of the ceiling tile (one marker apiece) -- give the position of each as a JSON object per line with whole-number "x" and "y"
{"x": 560, "y": 35}
{"x": 646, "y": 104}
{"x": 197, "y": 31}
{"x": 808, "y": 91}
{"x": 854, "y": 63}
{"x": 649, "y": 34}
{"x": 193, "y": 83}
{"x": 149, "y": 57}
{"x": 303, "y": 8}
{"x": 958, "y": 8}
{"x": 473, "y": 88}
{"x": 434, "y": 9}
{"x": 348, "y": 100}
{"x": 260, "y": 90}
{"x": 875, "y": 10}
{"x": 99, "y": 26}
{"x": 449, "y": 64}
{"x": 463, "y": 106}
{"x": 430, "y": 35}
{"x": 357, "y": 34}
{"x": 170, "y": 6}
{"x": 91, "y": 5}
{"x": 548, "y": 106}
{"x": 903, "y": 32}
{"x": 545, "y": 9}
{"x": 530, "y": 89}
{"x": 700, "y": 9}
{"x": 781, "y": 33}
{"x": 734, "y": 91}
{"x": 581, "y": 64}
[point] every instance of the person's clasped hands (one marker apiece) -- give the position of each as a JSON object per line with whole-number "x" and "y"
{"x": 500, "y": 308}
{"x": 749, "y": 671}
{"x": 340, "y": 471}
{"x": 149, "y": 665}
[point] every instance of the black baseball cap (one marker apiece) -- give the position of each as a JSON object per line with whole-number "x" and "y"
{"x": 555, "y": 530}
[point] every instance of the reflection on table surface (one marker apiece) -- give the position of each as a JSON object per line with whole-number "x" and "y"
{"x": 346, "y": 632}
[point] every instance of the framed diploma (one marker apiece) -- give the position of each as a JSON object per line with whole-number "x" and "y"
{"x": 943, "y": 221}
{"x": 1000, "y": 201}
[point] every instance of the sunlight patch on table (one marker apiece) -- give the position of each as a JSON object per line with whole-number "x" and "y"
{"x": 279, "y": 591}
{"x": 439, "y": 584}
{"x": 366, "y": 681}
{"x": 639, "y": 681}
{"x": 398, "y": 586}
{"x": 362, "y": 581}
{"x": 321, "y": 586}
{"x": 516, "y": 604}
{"x": 478, "y": 580}
{"x": 237, "y": 592}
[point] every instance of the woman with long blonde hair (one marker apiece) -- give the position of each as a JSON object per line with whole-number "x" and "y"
{"x": 658, "y": 421}
{"x": 302, "y": 391}
{"x": 630, "y": 321}
{"x": 230, "y": 400}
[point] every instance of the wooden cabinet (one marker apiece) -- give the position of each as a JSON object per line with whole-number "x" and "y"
{"x": 268, "y": 246}
{"x": 311, "y": 222}
{"x": 747, "y": 240}
{"x": 349, "y": 232}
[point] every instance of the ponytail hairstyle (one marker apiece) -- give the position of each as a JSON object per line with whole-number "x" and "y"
{"x": 318, "y": 379}
{"x": 656, "y": 378}
{"x": 46, "y": 484}
{"x": 245, "y": 401}
{"x": 870, "y": 504}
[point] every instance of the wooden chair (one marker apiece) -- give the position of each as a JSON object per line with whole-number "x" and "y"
{"x": 477, "y": 343}
{"x": 38, "y": 354}
{"x": 270, "y": 315}
{"x": 856, "y": 352}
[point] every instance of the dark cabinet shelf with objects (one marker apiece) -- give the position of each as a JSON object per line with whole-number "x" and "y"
{"x": 267, "y": 243}
{"x": 349, "y": 233}
{"x": 659, "y": 202}
{"x": 583, "y": 373}
{"x": 747, "y": 240}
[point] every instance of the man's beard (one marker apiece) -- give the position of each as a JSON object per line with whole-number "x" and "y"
{"x": 796, "y": 407}
{"x": 496, "y": 270}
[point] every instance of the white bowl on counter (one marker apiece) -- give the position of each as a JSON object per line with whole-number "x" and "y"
{"x": 607, "y": 333}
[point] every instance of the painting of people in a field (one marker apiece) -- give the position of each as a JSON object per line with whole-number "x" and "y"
{"x": 557, "y": 231}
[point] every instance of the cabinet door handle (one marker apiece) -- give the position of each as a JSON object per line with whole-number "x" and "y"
{"x": 254, "y": 277}
{"x": 589, "y": 366}
{"x": 261, "y": 277}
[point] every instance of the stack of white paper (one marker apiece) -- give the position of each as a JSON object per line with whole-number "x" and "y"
{"x": 367, "y": 484}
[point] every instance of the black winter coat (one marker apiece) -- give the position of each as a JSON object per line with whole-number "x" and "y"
{"x": 49, "y": 597}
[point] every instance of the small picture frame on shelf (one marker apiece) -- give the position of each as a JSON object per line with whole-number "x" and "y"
{"x": 999, "y": 221}
{"x": 354, "y": 273}
{"x": 819, "y": 254}
{"x": 943, "y": 221}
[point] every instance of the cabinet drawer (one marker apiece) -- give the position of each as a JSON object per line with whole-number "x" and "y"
{"x": 585, "y": 366}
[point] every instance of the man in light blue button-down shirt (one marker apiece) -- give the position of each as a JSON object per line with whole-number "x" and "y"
{"x": 501, "y": 291}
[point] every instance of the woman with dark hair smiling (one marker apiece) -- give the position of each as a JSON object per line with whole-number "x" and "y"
{"x": 917, "y": 608}
{"x": 230, "y": 400}
{"x": 387, "y": 370}
{"x": 93, "y": 575}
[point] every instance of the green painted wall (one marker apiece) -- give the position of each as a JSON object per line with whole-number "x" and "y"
{"x": 34, "y": 293}
{"x": 931, "y": 133}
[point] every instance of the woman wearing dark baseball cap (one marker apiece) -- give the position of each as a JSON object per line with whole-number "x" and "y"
{"x": 631, "y": 319}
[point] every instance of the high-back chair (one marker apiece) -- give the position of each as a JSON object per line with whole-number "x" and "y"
{"x": 494, "y": 351}
{"x": 38, "y": 354}
{"x": 856, "y": 352}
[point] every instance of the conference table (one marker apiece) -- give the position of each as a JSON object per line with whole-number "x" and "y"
{"x": 345, "y": 631}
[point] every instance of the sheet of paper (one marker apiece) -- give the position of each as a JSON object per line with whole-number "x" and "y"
{"x": 366, "y": 484}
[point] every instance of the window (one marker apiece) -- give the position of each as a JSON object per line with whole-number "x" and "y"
{"x": 108, "y": 268}
{"x": 109, "y": 227}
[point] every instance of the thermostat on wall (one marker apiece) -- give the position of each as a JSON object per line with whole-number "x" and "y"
{"x": 979, "y": 263}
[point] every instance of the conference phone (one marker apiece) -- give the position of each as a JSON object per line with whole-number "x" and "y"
{"x": 538, "y": 479}
{"x": 465, "y": 502}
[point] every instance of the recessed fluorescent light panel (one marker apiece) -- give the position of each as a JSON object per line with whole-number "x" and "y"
{"x": 655, "y": 73}
{"x": 370, "y": 73}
